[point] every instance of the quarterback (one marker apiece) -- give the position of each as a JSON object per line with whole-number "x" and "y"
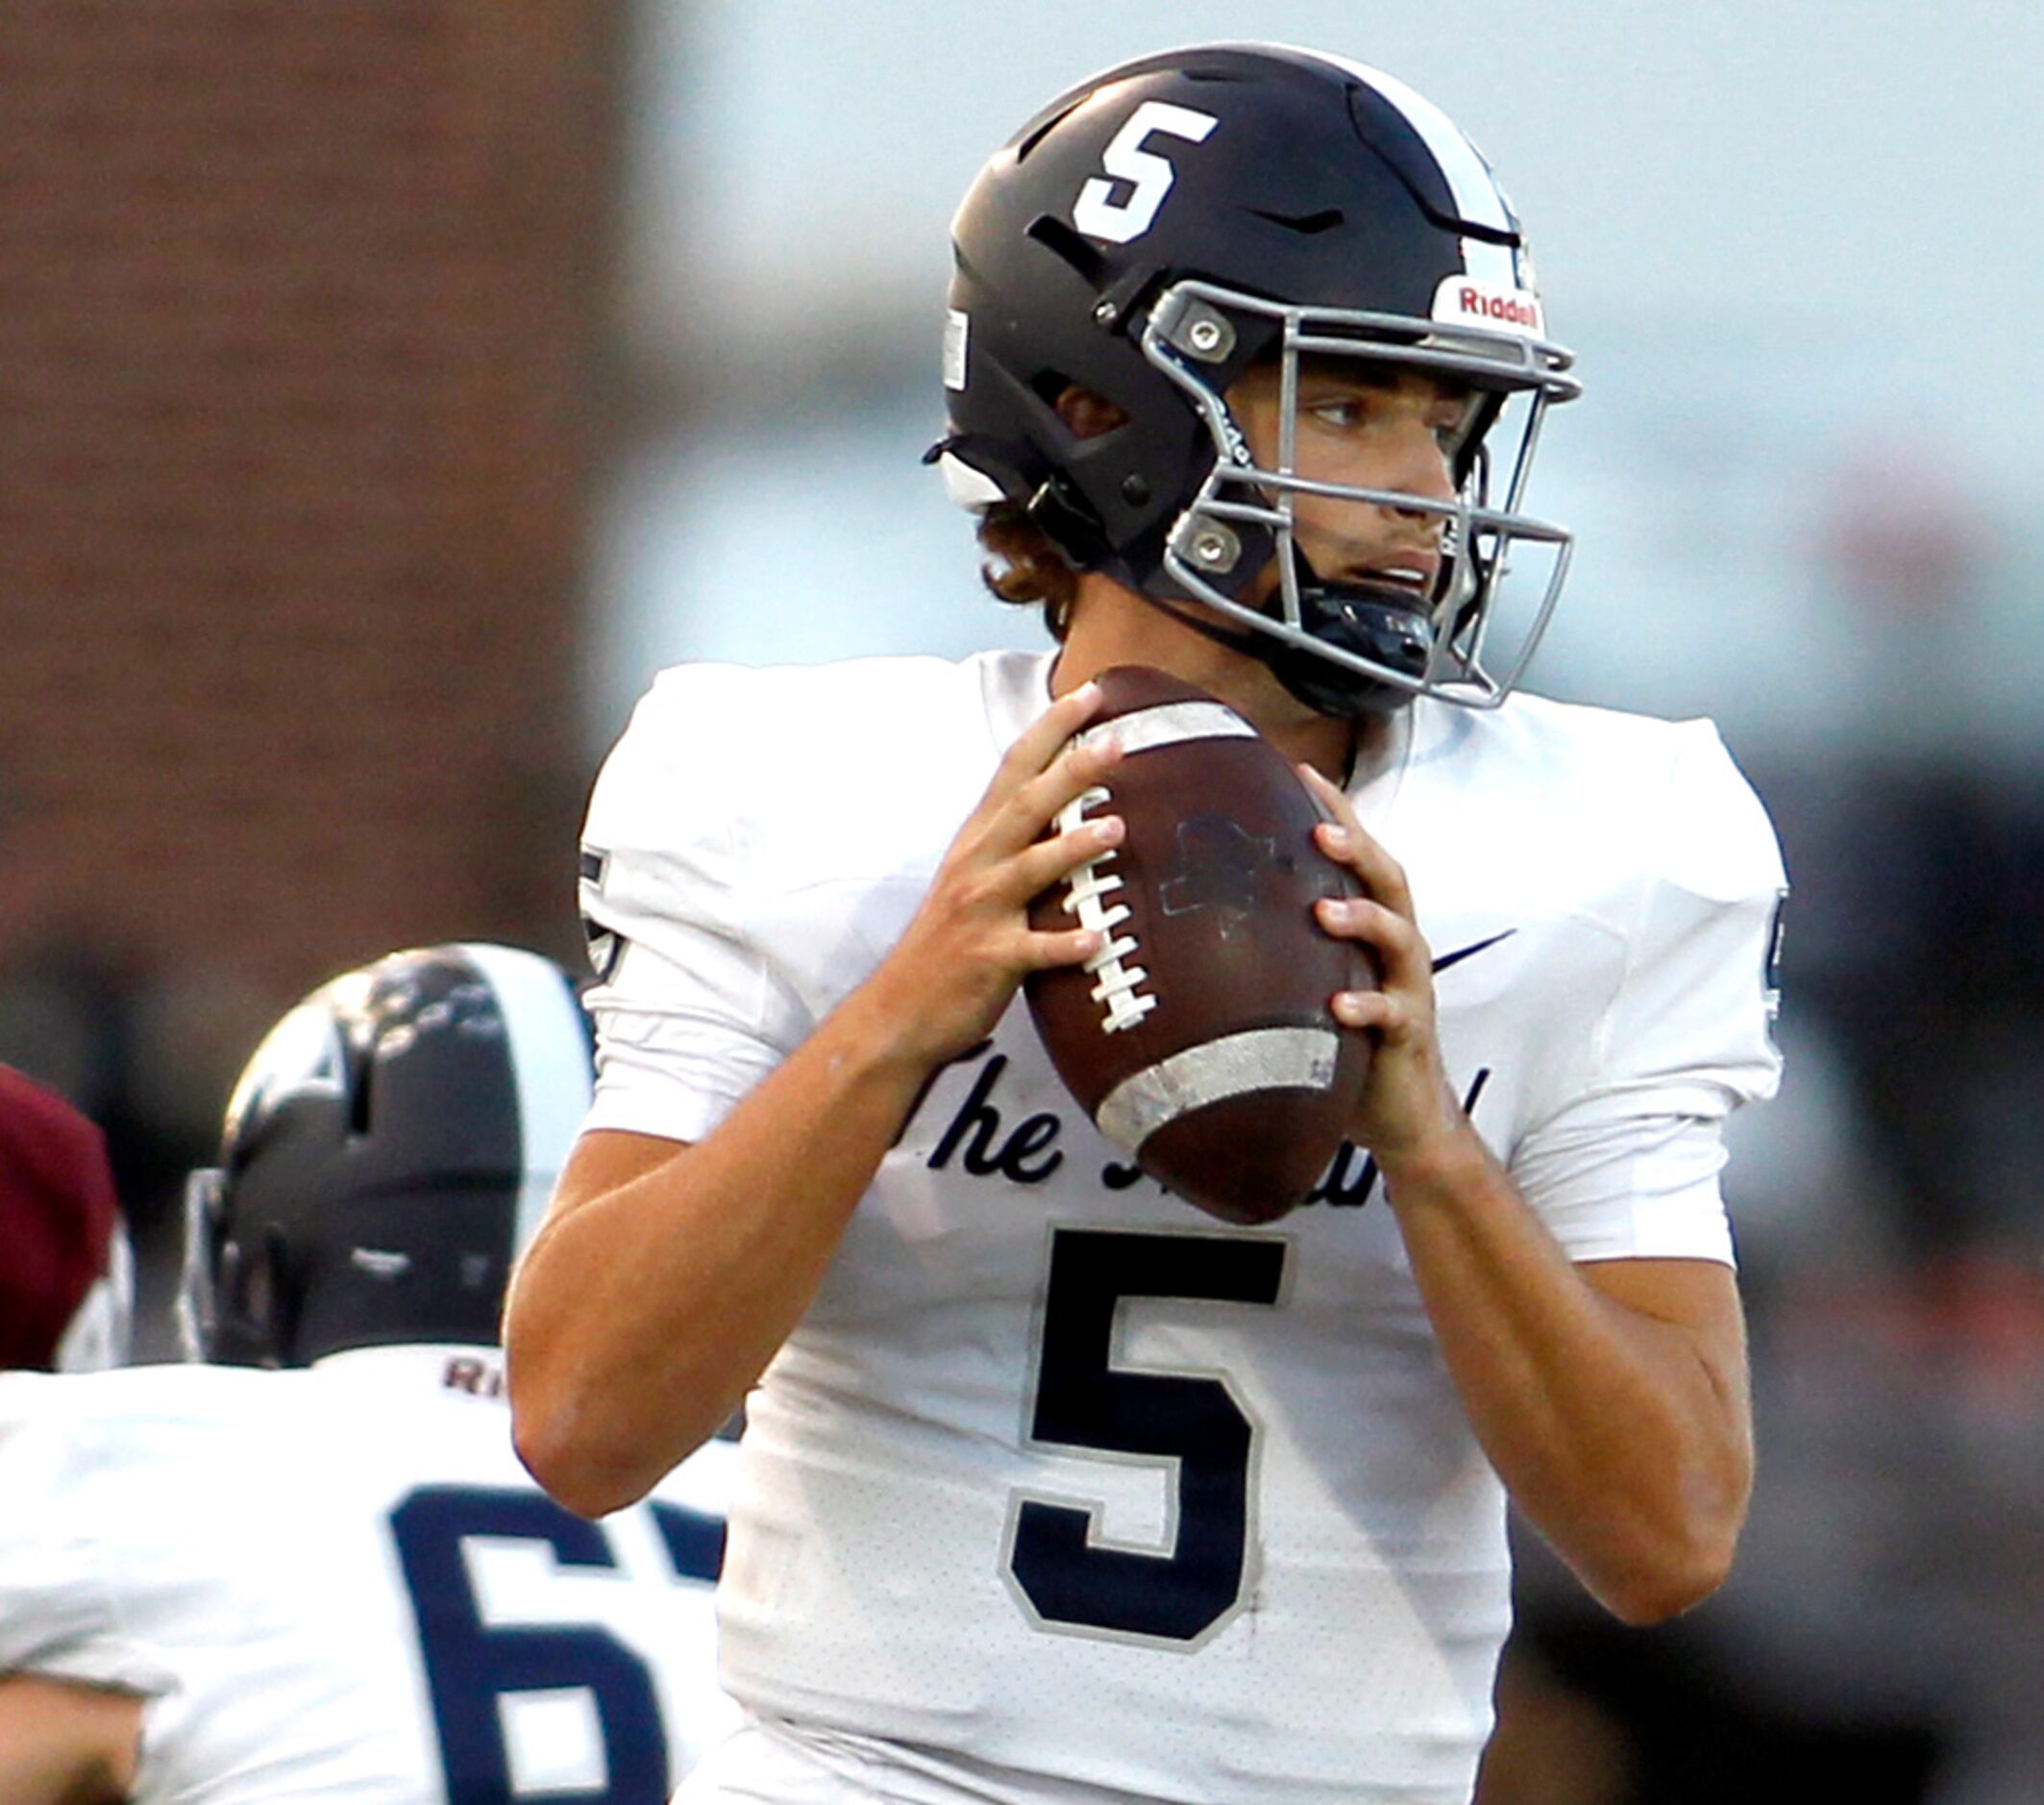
{"x": 220, "y": 1585}
{"x": 1053, "y": 1487}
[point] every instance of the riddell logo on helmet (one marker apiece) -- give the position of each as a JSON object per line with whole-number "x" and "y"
{"x": 1466, "y": 301}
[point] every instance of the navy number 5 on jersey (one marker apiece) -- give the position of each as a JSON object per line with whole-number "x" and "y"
{"x": 1196, "y": 1424}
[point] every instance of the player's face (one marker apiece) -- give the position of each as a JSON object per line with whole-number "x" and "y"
{"x": 1363, "y": 427}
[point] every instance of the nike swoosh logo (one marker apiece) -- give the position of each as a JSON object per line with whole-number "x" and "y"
{"x": 1461, "y": 954}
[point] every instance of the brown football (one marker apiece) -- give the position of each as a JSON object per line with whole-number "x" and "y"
{"x": 1200, "y": 1041}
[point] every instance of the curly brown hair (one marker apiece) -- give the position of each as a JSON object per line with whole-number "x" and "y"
{"x": 1024, "y": 566}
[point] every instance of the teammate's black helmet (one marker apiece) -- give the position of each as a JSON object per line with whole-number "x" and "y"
{"x": 387, "y": 1152}
{"x": 1159, "y": 228}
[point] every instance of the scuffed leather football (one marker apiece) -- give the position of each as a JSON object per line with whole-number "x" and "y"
{"x": 1199, "y": 1041}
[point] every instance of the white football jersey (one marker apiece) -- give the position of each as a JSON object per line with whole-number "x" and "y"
{"x": 1061, "y": 1485}
{"x": 340, "y": 1583}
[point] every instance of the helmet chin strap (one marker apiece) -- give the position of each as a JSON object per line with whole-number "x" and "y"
{"x": 1374, "y": 620}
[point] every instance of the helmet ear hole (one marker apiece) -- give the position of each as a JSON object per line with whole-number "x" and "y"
{"x": 1088, "y": 412}
{"x": 1048, "y": 386}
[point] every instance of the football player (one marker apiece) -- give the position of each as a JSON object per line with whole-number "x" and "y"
{"x": 66, "y": 1266}
{"x": 333, "y": 1579}
{"x": 1052, "y": 1488}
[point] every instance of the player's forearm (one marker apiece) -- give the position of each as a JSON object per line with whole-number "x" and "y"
{"x": 1625, "y": 1440}
{"x": 642, "y": 1316}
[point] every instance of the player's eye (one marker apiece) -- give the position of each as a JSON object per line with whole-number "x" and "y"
{"x": 1343, "y": 412}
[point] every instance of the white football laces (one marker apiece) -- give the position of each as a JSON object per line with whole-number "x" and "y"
{"x": 1085, "y": 892}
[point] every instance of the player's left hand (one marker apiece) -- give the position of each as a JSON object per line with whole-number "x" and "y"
{"x": 1406, "y": 1105}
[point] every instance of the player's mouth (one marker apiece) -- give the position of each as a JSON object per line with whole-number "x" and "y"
{"x": 1410, "y": 580}
{"x": 1415, "y": 574}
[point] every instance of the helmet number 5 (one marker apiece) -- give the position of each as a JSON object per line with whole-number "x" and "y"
{"x": 1097, "y": 212}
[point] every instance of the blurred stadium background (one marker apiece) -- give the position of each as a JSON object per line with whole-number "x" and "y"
{"x": 388, "y": 387}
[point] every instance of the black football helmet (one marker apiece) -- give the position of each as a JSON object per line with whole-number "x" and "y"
{"x": 1159, "y": 228}
{"x": 387, "y": 1153}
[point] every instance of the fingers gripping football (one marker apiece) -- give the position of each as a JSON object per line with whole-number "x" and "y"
{"x": 1049, "y": 862}
{"x": 1407, "y": 1100}
{"x": 969, "y": 944}
{"x": 1043, "y": 790}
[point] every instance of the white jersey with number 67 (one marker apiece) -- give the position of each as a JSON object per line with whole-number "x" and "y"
{"x": 340, "y": 1583}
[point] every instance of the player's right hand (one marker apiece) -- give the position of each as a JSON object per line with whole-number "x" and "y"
{"x": 969, "y": 944}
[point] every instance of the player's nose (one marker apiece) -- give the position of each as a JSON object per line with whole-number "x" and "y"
{"x": 1416, "y": 465}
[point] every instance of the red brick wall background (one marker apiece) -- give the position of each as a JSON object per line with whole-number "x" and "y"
{"x": 298, "y": 308}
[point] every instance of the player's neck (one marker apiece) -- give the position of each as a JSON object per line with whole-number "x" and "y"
{"x": 1114, "y": 626}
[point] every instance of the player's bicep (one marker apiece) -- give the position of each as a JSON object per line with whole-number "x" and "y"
{"x": 65, "y": 1743}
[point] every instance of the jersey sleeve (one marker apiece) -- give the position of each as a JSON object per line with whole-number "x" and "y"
{"x": 1627, "y": 1166}
{"x": 60, "y": 1613}
{"x": 690, "y": 1010}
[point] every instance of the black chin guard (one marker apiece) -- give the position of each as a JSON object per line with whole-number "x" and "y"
{"x": 1376, "y": 620}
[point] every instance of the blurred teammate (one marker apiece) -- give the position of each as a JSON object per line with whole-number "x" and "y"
{"x": 67, "y": 1270}
{"x": 221, "y": 1585}
{"x": 1054, "y": 1489}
